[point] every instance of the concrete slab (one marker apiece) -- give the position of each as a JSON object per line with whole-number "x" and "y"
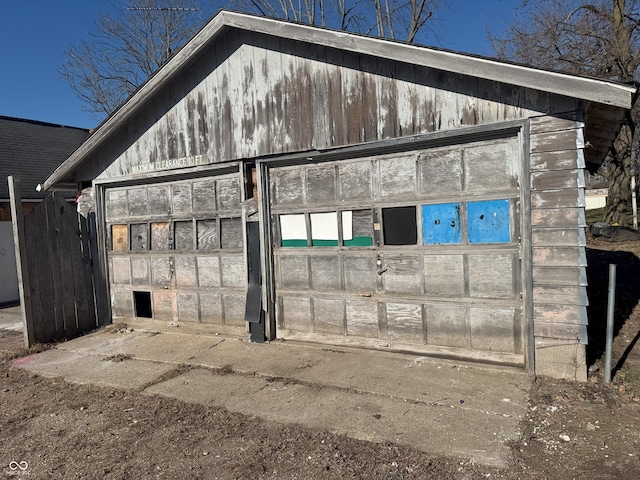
{"x": 11, "y": 318}
{"x": 93, "y": 369}
{"x": 432, "y": 428}
{"x": 440, "y": 407}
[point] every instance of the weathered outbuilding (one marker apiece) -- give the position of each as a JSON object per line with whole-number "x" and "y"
{"x": 30, "y": 150}
{"x": 351, "y": 190}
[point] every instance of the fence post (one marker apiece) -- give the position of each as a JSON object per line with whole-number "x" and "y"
{"x": 611, "y": 305}
{"x": 24, "y": 285}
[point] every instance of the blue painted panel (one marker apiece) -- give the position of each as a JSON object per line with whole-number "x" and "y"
{"x": 489, "y": 221}
{"x": 441, "y": 224}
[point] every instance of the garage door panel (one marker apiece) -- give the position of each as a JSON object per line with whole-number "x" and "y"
{"x": 491, "y": 276}
{"x": 326, "y": 273}
{"x": 210, "y": 308}
{"x": 234, "y": 309}
{"x": 170, "y": 238}
{"x": 437, "y": 262}
{"x": 188, "y": 310}
{"x": 297, "y": 313}
{"x": 354, "y": 180}
{"x": 404, "y": 274}
{"x": 181, "y": 198}
{"x": 208, "y": 271}
{"x": 362, "y": 319}
{"x": 440, "y": 172}
{"x": 446, "y": 325}
{"x": 137, "y": 200}
{"x": 185, "y": 271}
{"x": 294, "y": 272}
{"x": 158, "y": 197}
{"x": 140, "y": 274}
{"x": 328, "y": 315}
{"x": 360, "y": 274}
{"x": 444, "y": 275}
{"x": 493, "y": 330}
{"x": 404, "y": 323}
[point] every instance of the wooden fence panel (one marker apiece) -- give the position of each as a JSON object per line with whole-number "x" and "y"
{"x": 60, "y": 271}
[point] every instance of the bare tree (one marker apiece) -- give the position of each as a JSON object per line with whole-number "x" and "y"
{"x": 127, "y": 47}
{"x": 394, "y": 19}
{"x": 138, "y": 38}
{"x": 599, "y": 38}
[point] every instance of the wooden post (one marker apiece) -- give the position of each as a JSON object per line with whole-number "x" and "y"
{"x": 24, "y": 285}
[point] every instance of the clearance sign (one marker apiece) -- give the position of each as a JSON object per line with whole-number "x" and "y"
{"x": 170, "y": 164}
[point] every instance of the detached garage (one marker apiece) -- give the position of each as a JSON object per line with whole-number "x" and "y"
{"x": 329, "y": 187}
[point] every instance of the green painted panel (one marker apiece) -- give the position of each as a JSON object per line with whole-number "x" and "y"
{"x": 324, "y": 243}
{"x": 294, "y": 243}
{"x": 359, "y": 242}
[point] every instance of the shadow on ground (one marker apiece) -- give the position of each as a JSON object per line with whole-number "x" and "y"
{"x": 626, "y": 299}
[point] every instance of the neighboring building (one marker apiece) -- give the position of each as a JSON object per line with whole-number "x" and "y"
{"x": 402, "y": 197}
{"x": 596, "y": 198}
{"x": 29, "y": 150}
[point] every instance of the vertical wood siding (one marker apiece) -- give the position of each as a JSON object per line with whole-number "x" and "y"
{"x": 252, "y": 95}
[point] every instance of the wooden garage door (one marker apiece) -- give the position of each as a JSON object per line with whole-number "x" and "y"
{"x": 176, "y": 250}
{"x": 414, "y": 250}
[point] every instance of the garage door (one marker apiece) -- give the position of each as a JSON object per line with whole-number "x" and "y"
{"x": 175, "y": 250}
{"x": 417, "y": 250}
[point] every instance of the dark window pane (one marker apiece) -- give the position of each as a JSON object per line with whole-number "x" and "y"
{"x": 399, "y": 226}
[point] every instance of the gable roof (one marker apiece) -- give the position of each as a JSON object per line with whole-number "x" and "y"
{"x": 31, "y": 150}
{"x": 599, "y": 91}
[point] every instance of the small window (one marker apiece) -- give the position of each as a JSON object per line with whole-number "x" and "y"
{"x": 160, "y": 236}
{"x": 231, "y": 233}
{"x": 139, "y": 237}
{"x": 441, "y": 224}
{"x": 324, "y": 229}
{"x": 293, "y": 230}
{"x": 357, "y": 228}
{"x": 183, "y": 235}
{"x": 142, "y": 304}
{"x": 489, "y": 221}
{"x": 207, "y": 234}
{"x": 119, "y": 238}
{"x": 399, "y": 226}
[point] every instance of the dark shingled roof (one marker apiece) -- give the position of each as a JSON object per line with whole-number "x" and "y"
{"x": 31, "y": 150}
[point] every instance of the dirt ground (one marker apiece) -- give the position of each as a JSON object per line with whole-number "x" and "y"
{"x": 51, "y": 429}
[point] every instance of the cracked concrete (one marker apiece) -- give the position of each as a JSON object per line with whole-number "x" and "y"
{"x": 448, "y": 408}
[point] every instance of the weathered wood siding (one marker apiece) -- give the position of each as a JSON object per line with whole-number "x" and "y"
{"x": 425, "y": 249}
{"x": 252, "y": 95}
{"x": 558, "y": 245}
{"x": 182, "y": 244}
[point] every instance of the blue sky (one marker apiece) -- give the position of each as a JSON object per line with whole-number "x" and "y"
{"x": 35, "y": 33}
